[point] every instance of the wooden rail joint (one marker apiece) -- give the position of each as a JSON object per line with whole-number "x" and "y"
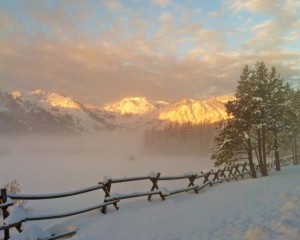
{"x": 191, "y": 183}
{"x": 107, "y": 189}
{"x": 154, "y": 181}
{"x": 206, "y": 177}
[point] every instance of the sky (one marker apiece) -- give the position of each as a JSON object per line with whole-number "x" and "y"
{"x": 98, "y": 52}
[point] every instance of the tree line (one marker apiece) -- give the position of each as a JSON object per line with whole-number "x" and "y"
{"x": 179, "y": 139}
{"x": 264, "y": 120}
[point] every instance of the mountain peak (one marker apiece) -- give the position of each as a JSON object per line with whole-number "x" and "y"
{"x": 188, "y": 110}
{"x": 16, "y": 94}
{"x": 38, "y": 92}
{"x": 131, "y": 105}
{"x": 54, "y": 99}
{"x": 187, "y": 101}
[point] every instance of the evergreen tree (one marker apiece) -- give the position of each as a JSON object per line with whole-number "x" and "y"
{"x": 257, "y": 119}
{"x": 277, "y": 108}
{"x": 233, "y": 141}
{"x": 293, "y": 119}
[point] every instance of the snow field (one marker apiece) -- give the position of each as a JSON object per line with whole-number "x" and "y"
{"x": 264, "y": 208}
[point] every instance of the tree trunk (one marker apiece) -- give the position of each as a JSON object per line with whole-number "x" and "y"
{"x": 277, "y": 160}
{"x": 296, "y": 151}
{"x": 293, "y": 151}
{"x": 251, "y": 164}
{"x": 295, "y": 148}
{"x": 263, "y": 140}
{"x": 259, "y": 147}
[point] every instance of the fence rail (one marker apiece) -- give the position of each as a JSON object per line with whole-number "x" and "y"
{"x": 54, "y": 195}
{"x": 210, "y": 178}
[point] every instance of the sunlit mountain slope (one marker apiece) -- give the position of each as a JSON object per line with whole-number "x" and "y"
{"x": 71, "y": 112}
{"x": 196, "y": 112}
{"x": 134, "y": 105}
{"x": 128, "y": 113}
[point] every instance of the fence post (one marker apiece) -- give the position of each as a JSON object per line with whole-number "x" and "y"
{"x": 192, "y": 179}
{"x": 206, "y": 177}
{"x": 5, "y": 212}
{"x": 155, "y": 186}
{"x": 106, "y": 189}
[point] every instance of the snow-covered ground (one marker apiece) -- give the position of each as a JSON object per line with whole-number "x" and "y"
{"x": 265, "y": 208}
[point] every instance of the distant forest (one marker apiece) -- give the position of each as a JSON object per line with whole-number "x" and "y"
{"x": 180, "y": 139}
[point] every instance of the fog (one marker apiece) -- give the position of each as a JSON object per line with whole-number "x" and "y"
{"x": 52, "y": 163}
{"x": 59, "y": 163}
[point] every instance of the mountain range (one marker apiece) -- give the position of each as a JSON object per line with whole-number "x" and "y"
{"x": 40, "y": 111}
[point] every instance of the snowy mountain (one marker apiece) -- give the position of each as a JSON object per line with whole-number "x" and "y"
{"x": 62, "y": 106}
{"x": 23, "y": 116}
{"x": 188, "y": 110}
{"x": 134, "y": 105}
{"x": 197, "y": 112}
{"x": 63, "y": 110}
{"x": 128, "y": 113}
{"x": 47, "y": 99}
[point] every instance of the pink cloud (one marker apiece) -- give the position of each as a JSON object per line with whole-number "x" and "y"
{"x": 162, "y": 3}
{"x": 125, "y": 60}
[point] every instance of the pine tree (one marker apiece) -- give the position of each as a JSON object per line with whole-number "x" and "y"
{"x": 276, "y": 108}
{"x": 257, "y": 119}
{"x": 293, "y": 119}
{"x": 234, "y": 141}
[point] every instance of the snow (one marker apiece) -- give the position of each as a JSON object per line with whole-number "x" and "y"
{"x": 3, "y": 108}
{"x": 56, "y": 195}
{"x": 225, "y": 142}
{"x": 164, "y": 191}
{"x": 31, "y": 232}
{"x": 257, "y": 99}
{"x": 190, "y": 173}
{"x": 153, "y": 174}
{"x": 257, "y": 232}
{"x": 131, "y": 105}
{"x": 192, "y": 111}
{"x": 61, "y": 228}
{"x": 7, "y": 203}
{"x": 115, "y": 195}
{"x": 249, "y": 209}
{"x": 129, "y": 113}
{"x": 292, "y": 204}
{"x": 105, "y": 179}
{"x": 16, "y": 214}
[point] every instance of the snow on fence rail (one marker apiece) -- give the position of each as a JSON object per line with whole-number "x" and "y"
{"x": 53, "y": 195}
{"x": 211, "y": 177}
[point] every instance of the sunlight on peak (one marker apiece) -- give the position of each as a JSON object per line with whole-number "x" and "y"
{"x": 57, "y": 100}
{"x": 196, "y": 112}
{"x": 39, "y": 92}
{"x": 54, "y": 99}
{"x": 16, "y": 94}
{"x": 131, "y": 105}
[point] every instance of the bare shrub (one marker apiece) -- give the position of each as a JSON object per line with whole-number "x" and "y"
{"x": 13, "y": 187}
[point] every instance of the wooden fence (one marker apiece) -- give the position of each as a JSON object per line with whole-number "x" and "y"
{"x": 195, "y": 182}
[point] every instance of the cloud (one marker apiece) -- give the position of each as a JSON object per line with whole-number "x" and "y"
{"x": 98, "y": 56}
{"x": 281, "y": 27}
{"x": 165, "y": 17}
{"x": 113, "y": 5}
{"x": 255, "y": 5}
{"x": 73, "y": 67}
{"x": 162, "y": 3}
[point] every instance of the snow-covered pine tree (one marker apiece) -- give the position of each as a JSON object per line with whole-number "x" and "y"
{"x": 257, "y": 119}
{"x": 234, "y": 140}
{"x": 293, "y": 122}
{"x": 276, "y": 109}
